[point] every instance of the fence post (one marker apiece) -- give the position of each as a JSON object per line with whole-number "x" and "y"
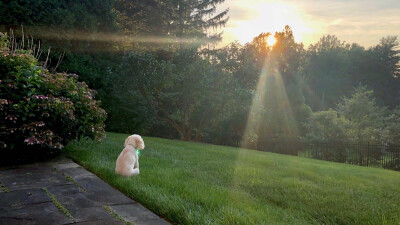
{"x": 367, "y": 153}
{"x": 398, "y": 158}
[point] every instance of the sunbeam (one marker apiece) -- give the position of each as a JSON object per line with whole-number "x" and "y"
{"x": 270, "y": 112}
{"x": 256, "y": 111}
{"x": 103, "y": 37}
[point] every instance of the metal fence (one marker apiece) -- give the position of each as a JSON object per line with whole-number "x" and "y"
{"x": 385, "y": 156}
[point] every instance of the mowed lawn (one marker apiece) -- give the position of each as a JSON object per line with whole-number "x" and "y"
{"x": 193, "y": 183}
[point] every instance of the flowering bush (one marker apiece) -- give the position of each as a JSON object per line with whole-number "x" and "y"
{"x": 43, "y": 109}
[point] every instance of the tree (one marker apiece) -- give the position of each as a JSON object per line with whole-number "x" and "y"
{"x": 59, "y": 22}
{"x": 239, "y": 61}
{"x": 81, "y": 15}
{"x": 70, "y": 27}
{"x": 65, "y": 26}
{"x": 183, "y": 22}
{"x": 328, "y": 72}
{"x": 393, "y": 126}
{"x": 269, "y": 104}
{"x": 187, "y": 93}
{"x": 327, "y": 126}
{"x": 193, "y": 19}
{"x": 367, "y": 119}
{"x": 382, "y": 71}
{"x": 150, "y": 19}
{"x": 358, "y": 119}
{"x": 334, "y": 68}
{"x": 284, "y": 104}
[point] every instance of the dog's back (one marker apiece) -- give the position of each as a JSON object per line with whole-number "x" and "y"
{"x": 126, "y": 162}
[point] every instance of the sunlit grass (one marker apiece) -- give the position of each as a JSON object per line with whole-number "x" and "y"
{"x": 192, "y": 183}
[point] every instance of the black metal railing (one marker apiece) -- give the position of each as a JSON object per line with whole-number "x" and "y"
{"x": 385, "y": 156}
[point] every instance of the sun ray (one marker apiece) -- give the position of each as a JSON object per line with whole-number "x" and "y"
{"x": 103, "y": 37}
{"x": 270, "y": 109}
{"x": 255, "y": 113}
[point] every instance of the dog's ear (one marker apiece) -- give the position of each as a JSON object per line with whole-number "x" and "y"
{"x": 139, "y": 142}
{"x": 129, "y": 141}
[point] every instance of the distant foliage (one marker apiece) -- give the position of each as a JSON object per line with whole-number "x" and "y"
{"x": 43, "y": 109}
{"x": 185, "y": 93}
{"x": 89, "y": 15}
{"x": 327, "y": 126}
{"x": 367, "y": 119}
{"x": 333, "y": 68}
{"x": 193, "y": 22}
{"x": 357, "y": 119}
{"x": 393, "y": 126}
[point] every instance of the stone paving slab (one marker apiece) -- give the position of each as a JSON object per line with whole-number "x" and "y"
{"x": 43, "y": 213}
{"x": 64, "y": 190}
{"x": 31, "y": 177}
{"x": 133, "y": 212}
{"x": 101, "y": 192}
{"x": 101, "y": 222}
{"x": 76, "y": 172}
{"x": 151, "y": 222}
{"x": 77, "y": 190}
{"x": 82, "y": 214}
{"x": 137, "y": 214}
{"x": 72, "y": 195}
{"x": 23, "y": 197}
{"x": 63, "y": 166}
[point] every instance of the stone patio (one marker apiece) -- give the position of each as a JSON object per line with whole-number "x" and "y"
{"x": 62, "y": 192}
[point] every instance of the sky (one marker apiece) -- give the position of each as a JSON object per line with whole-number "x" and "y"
{"x": 355, "y": 21}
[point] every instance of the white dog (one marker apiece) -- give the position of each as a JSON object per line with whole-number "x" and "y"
{"x": 128, "y": 160}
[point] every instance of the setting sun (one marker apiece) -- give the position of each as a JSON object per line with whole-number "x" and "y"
{"x": 271, "y": 40}
{"x": 261, "y": 17}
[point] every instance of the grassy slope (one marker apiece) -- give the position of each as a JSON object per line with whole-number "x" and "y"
{"x": 191, "y": 183}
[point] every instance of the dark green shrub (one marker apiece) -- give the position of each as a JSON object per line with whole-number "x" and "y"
{"x": 42, "y": 109}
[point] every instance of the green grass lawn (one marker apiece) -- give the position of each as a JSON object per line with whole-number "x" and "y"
{"x": 192, "y": 183}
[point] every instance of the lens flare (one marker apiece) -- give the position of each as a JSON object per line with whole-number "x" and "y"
{"x": 118, "y": 42}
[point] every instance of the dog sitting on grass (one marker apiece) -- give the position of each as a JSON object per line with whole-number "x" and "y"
{"x": 128, "y": 160}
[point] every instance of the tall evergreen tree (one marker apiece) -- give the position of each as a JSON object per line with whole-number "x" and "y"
{"x": 382, "y": 71}
{"x": 142, "y": 18}
{"x": 171, "y": 22}
{"x": 195, "y": 19}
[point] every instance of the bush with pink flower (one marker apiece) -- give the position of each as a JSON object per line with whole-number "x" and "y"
{"x": 43, "y": 109}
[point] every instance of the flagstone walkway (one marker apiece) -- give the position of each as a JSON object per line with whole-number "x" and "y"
{"x": 62, "y": 192}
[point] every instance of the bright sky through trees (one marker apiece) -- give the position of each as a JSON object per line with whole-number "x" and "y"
{"x": 361, "y": 21}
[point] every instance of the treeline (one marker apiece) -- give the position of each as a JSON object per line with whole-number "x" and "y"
{"x": 155, "y": 72}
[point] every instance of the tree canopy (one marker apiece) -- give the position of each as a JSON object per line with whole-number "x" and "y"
{"x": 153, "y": 69}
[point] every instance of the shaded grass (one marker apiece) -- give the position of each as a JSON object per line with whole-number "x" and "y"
{"x": 192, "y": 183}
{"x": 58, "y": 204}
{"x": 82, "y": 189}
{"x": 70, "y": 179}
{"x": 118, "y": 217}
